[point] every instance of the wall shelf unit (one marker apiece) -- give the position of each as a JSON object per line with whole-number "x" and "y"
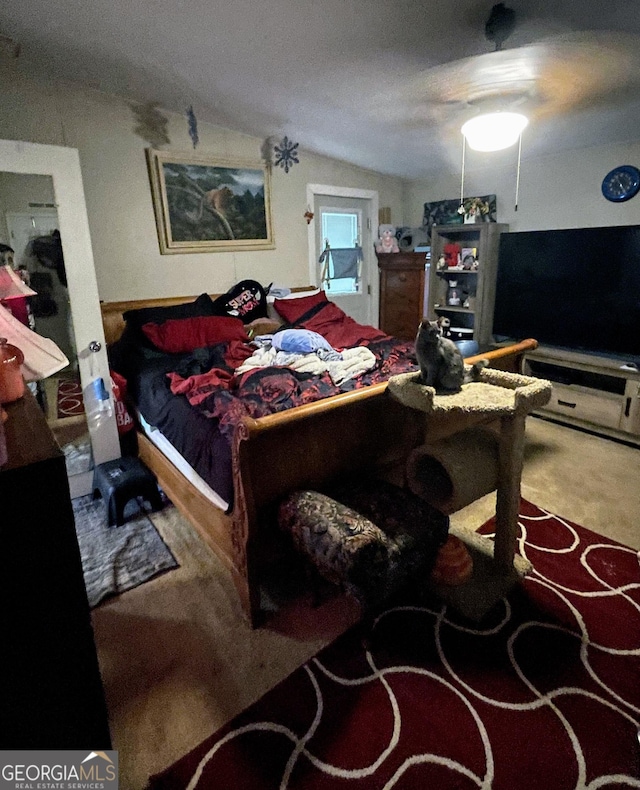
{"x": 474, "y": 287}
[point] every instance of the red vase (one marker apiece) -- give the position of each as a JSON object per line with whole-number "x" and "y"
{"x": 11, "y": 380}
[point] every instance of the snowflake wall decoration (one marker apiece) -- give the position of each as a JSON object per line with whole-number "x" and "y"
{"x": 286, "y": 154}
{"x": 193, "y": 126}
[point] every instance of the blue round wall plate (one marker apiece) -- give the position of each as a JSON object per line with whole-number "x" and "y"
{"x": 622, "y": 183}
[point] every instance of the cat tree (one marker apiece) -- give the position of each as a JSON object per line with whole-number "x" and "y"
{"x": 474, "y": 443}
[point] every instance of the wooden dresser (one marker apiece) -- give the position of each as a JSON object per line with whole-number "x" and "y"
{"x": 51, "y": 690}
{"x": 402, "y": 292}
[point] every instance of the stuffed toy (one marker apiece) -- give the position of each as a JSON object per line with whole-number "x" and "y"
{"x": 387, "y": 241}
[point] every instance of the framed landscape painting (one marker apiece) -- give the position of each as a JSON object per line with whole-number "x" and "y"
{"x": 204, "y": 204}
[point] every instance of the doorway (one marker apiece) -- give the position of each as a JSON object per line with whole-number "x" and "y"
{"x": 33, "y": 238}
{"x": 51, "y": 309}
{"x": 44, "y": 183}
{"x": 341, "y": 251}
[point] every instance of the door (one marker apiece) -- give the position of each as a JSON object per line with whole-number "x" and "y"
{"x": 20, "y": 163}
{"x": 51, "y": 311}
{"x": 341, "y": 248}
{"x": 60, "y": 395}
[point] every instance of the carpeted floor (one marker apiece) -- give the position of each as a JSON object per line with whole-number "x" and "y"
{"x": 117, "y": 559}
{"x": 429, "y": 699}
{"x": 179, "y": 661}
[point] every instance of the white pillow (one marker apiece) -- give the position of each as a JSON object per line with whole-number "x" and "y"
{"x": 294, "y": 294}
{"x": 300, "y": 294}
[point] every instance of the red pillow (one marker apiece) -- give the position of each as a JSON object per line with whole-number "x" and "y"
{"x": 293, "y": 309}
{"x": 185, "y": 334}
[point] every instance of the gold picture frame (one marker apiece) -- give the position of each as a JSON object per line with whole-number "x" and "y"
{"x": 205, "y": 204}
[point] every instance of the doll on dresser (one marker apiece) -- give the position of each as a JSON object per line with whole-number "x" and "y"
{"x": 387, "y": 241}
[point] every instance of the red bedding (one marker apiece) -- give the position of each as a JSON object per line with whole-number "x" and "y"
{"x": 217, "y": 392}
{"x": 328, "y": 320}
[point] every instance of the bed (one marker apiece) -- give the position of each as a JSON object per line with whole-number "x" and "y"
{"x": 360, "y": 430}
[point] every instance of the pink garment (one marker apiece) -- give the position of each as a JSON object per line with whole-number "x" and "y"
{"x": 14, "y": 293}
{"x": 18, "y": 308}
{"x": 11, "y": 285}
{"x": 42, "y": 357}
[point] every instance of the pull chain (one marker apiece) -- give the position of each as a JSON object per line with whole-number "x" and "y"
{"x": 464, "y": 145}
{"x": 518, "y": 171}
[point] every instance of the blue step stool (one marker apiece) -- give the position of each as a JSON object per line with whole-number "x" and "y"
{"x": 121, "y": 480}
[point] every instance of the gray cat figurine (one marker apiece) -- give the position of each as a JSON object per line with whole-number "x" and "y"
{"x": 441, "y": 363}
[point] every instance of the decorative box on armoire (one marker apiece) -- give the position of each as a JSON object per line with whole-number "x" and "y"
{"x": 402, "y": 292}
{"x": 51, "y": 694}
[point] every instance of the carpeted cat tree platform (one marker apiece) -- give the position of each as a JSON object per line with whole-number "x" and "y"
{"x": 474, "y": 445}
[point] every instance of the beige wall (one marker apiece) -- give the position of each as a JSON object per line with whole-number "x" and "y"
{"x": 23, "y": 194}
{"x": 555, "y": 192}
{"x": 562, "y": 191}
{"x": 123, "y": 232}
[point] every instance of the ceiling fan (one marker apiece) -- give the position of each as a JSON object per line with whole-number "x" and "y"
{"x": 549, "y": 78}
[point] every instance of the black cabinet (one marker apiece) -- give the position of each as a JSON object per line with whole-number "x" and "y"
{"x": 51, "y": 691}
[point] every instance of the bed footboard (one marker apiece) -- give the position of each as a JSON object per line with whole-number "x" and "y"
{"x": 311, "y": 445}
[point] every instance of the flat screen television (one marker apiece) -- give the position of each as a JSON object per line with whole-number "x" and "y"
{"x": 573, "y": 289}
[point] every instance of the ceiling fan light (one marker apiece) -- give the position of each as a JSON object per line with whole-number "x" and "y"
{"x": 494, "y": 131}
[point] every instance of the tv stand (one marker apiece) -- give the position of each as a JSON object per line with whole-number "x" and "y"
{"x": 592, "y": 392}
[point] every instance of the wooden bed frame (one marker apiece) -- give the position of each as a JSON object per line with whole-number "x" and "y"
{"x": 304, "y": 447}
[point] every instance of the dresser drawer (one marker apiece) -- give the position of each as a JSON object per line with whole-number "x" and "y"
{"x": 401, "y": 305}
{"x": 582, "y": 403}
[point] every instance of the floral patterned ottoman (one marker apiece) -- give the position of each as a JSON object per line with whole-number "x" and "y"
{"x": 369, "y": 537}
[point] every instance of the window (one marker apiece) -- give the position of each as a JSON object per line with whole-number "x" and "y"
{"x": 341, "y": 259}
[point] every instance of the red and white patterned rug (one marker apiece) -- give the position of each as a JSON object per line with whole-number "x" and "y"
{"x": 69, "y": 398}
{"x": 544, "y": 694}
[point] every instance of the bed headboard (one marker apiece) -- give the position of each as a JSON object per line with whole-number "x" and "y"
{"x": 112, "y": 312}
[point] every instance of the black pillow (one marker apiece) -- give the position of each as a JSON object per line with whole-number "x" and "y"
{"x": 246, "y": 300}
{"x": 136, "y": 319}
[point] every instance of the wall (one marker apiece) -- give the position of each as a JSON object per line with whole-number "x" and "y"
{"x": 555, "y": 192}
{"x": 23, "y": 194}
{"x": 123, "y": 231}
{"x": 33, "y": 196}
{"x": 560, "y": 191}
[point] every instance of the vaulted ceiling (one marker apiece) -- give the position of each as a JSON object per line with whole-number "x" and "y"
{"x": 382, "y": 84}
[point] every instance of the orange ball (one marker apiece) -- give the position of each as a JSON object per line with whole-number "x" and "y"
{"x": 454, "y": 564}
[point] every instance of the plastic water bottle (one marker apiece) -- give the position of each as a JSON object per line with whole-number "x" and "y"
{"x": 97, "y": 403}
